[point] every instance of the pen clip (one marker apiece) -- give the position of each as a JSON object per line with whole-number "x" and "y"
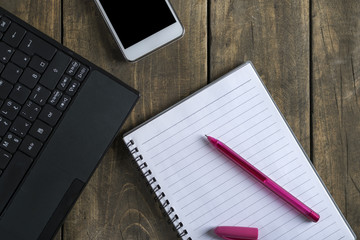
{"x": 230, "y": 238}
{"x": 236, "y": 233}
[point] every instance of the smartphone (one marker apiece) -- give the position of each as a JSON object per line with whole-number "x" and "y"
{"x": 140, "y": 27}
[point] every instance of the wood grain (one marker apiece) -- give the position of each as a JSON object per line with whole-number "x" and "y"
{"x": 274, "y": 35}
{"x": 306, "y": 52}
{"x": 336, "y": 101}
{"x": 44, "y": 15}
{"x": 116, "y": 204}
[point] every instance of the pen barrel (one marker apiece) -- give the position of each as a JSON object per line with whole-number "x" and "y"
{"x": 293, "y": 201}
{"x": 266, "y": 181}
{"x": 237, "y": 159}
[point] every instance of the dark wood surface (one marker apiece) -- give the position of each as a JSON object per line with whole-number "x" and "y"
{"x": 307, "y": 53}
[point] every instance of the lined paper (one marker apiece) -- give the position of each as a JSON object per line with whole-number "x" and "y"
{"x": 207, "y": 190}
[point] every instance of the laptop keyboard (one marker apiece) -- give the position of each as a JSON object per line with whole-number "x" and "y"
{"x": 37, "y": 83}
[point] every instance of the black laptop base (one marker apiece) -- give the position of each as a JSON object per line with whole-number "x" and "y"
{"x": 58, "y": 123}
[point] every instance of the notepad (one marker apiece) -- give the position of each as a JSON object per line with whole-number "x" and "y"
{"x": 201, "y": 189}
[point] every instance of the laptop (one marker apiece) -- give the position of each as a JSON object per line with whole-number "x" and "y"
{"x": 59, "y": 114}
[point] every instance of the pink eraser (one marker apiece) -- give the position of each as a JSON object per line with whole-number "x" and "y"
{"x": 238, "y": 233}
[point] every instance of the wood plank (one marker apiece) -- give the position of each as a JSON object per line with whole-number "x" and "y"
{"x": 336, "y": 101}
{"x": 116, "y": 204}
{"x": 274, "y": 35}
{"x": 44, "y": 15}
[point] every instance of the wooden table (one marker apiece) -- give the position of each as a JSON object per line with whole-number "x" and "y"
{"x": 307, "y": 53}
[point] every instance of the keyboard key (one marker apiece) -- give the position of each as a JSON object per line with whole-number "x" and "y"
{"x": 20, "y": 93}
{"x": 64, "y": 82}
{"x": 32, "y": 44}
{"x": 50, "y": 115}
{"x": 73, "y": 87}
{"x": 4, "y": 125}
{"x": 10, "y": 109}
{"x": 5, "y": 89}
{"x": 30, "y": 111}
{"x": 20, "y": 59}
{"x": 11, "y": 73}
{"x": 4, "y": 158}
{"x": 56, "y": 69}
{"x": 2, "y": 66}
{"x": 20, "y": 126}
{"x": 40, "y": 130}
{"x": 64, "y": 101}
{"x": 74, "y": 65}
{"x": 14, "y": 35}
{"x": 39, "y": 95}
{"x": 55, "y": 97}
{"x": 38, "y": 64}
{"x": 12, "y": 177}
{"x": 30, "y": 146}
{"x": 5, "y": 52}
{"x": 81, "y": 73}
{"x": 10, "y": 142}
{"x": 29, "y": 78}
{"x": 4, "y": 24}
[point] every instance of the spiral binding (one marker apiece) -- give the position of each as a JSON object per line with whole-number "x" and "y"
{"x": 156, "y": 188}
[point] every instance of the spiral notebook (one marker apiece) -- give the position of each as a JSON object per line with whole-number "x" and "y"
{"x": 200, "y": 189}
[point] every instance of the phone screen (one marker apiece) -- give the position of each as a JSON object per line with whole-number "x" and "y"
{"x": 135, "y": 20}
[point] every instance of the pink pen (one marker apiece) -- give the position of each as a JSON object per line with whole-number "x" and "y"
{"x": 266, "y": 181}
{"x": 238, "y": 233}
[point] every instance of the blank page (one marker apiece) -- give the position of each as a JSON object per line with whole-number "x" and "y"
{"x": 206, "y": 189}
